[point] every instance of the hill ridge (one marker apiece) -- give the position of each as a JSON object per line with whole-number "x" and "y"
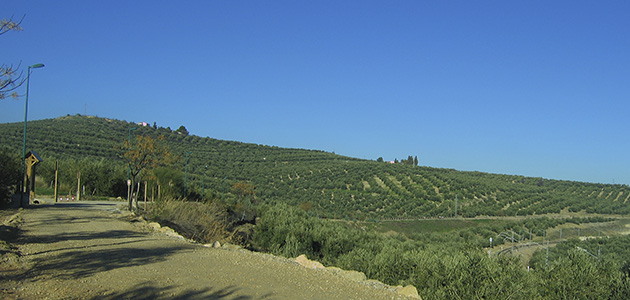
{"x": 325, "y": 184}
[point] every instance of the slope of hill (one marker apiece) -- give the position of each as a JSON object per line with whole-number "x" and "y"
{"x": 326, "y": 184}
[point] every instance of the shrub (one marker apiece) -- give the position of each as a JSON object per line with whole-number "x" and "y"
{"x": 9, "y": 176}
{"x": 202, "y": 222}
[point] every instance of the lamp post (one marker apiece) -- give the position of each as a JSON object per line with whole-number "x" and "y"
{"x": 129, "y": 169}
{"x": 186, "y": 172}
{"x": 28, "y": 76}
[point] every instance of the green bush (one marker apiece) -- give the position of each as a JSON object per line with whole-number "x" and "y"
{"x": 580, "y": 276}
{"x": 440, "y": 270}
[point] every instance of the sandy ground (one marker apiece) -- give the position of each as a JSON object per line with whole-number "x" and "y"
{"x": 90, "y": 250}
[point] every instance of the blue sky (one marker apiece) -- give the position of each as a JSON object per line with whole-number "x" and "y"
{"x": 536, "y": 88}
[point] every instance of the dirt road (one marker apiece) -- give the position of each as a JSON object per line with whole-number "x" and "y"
{"x": 90, "y": 250}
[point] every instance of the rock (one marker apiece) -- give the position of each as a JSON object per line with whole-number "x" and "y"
{"x": 375, "y": 283}
{"x": 231, "y": 247}
{"x": 170, "y": 232}
{"x": 311, "y": 264}
{"x": 353, "y": 275}
{"x": 334, "y": 270}
{"x": 167, "y": 230}
{"x": 155, "y": 225}
{"x": 409, "y": 291}
{"x": 216, "y": 244}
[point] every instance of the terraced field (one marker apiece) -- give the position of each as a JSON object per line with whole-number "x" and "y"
{"x": 329, "y": 185}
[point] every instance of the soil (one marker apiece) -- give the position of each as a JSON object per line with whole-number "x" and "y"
{"x": 92, "y": 250}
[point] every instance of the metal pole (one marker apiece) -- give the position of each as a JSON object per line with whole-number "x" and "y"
{"x": 28, "y": 76}
{"x": 28, "y": 79}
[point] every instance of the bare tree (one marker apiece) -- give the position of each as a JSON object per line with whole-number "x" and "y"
{"x": 10, "y": 77}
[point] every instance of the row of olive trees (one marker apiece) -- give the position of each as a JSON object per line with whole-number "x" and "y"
{"x": 106, "y": 179}
{"x": 441, "y": 266}
{"x": 145, "y": 159}
{"x": 336, "y": 186}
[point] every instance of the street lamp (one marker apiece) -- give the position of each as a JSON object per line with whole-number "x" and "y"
{"x": 186, "y": 172}
{"x": 28, "y": 76}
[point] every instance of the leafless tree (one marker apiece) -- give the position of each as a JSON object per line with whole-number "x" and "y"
{"x": 10, "y": 77}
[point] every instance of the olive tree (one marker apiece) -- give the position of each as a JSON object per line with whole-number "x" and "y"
{"x": 145, "y": 153}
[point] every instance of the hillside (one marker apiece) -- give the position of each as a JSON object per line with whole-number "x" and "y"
{"x": 322, "y": 183}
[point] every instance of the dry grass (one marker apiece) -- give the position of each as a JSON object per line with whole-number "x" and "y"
{"x": 202, "y": 222}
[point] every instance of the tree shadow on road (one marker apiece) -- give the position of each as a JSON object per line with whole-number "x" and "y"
{"x": 77, "y": 236}
{"x": 59, "y": 217}
{"x": 82, "y": 263}
{"x": 146, "y": 291}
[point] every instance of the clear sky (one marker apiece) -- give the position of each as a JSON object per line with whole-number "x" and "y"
{"x": 535, "y": 88}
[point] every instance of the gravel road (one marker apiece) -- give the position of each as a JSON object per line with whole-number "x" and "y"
{"x": 90, "y": 250}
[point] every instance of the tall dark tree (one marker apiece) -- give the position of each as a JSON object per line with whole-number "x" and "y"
{"x": 182, "y": 130}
